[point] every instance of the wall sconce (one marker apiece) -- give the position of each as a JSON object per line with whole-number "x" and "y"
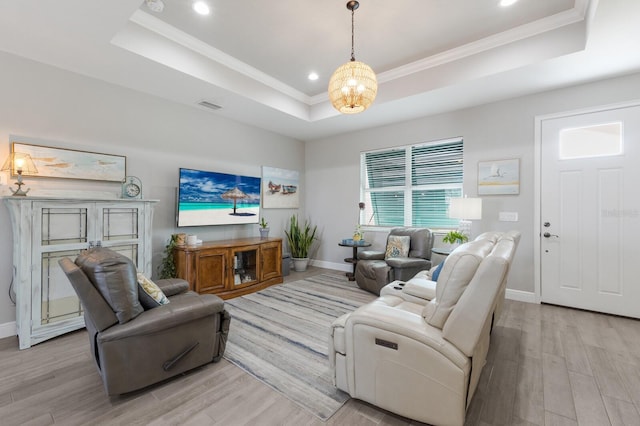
{"x": 18, "y": 163}
{"x": 465, "y": 209}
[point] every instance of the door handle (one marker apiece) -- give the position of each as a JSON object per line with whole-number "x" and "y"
{"x": 548, "y": 235}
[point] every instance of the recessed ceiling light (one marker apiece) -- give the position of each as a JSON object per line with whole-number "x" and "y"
{"x": 201, "y": 7}
{"x": 313, "y": 76}
{"x": 505, "y": 3}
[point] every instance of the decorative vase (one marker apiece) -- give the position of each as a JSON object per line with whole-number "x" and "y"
{"x": 300, "y": 264}
{"x": 180, "y": 239}
{"x": 264, "y": 232}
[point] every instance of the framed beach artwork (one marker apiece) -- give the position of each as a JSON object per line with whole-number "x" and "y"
{"x": 72, "y": 164}
{"x": 499, "y": 177}
{"x": 280, "y": 188}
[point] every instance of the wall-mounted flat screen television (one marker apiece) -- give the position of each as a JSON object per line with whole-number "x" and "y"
{"x": 210, "y": 198}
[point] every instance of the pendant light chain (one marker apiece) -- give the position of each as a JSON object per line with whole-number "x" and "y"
{"x": 353, "y": 57}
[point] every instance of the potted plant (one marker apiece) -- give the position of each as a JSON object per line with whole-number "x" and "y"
{"x": 300, "y": 238}
{"x": 167, "y": 268}
{"x": 264, "y": 228}
{"x": 455, "y": 237}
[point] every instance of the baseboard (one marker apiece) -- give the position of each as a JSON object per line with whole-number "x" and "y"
{"x": 520, "y": 296}
{"x": 345, "y": 267}
{"x": 8, "y": 329}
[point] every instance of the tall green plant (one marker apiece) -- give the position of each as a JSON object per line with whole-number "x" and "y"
{"x": 300, "y": 237}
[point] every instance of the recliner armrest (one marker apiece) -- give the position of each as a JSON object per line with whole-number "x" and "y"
{"x": 408, "y": 262}
{"x": 371, "y": 255}
{"x": 182, "y": 308}
{"x": 172, "y": 286}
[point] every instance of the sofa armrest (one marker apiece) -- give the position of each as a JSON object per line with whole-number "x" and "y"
{"x": 421, "y": 288}
{"x": 182, "y": 308}
{"x": 380, "y": 315}
{"x": 371, "y": 255}
{"x": 172, "y": 286}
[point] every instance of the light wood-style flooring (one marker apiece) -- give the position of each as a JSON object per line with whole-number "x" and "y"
{"x": 547, "y": 366}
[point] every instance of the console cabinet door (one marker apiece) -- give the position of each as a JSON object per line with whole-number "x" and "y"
{"x": 246, "y": 268}
{"x": 212, "y": 270}
{"x": 271, "y": 258}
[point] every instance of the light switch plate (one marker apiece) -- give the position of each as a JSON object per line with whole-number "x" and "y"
{"x": 508, "y": 216}
{"x": 3, "y": 179}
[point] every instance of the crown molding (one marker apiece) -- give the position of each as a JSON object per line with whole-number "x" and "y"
{"x": 576, "y": 14}
{"x": 550, "y": 23}
{"x": 506, "y": 37}
{"x": 170, "y": 32}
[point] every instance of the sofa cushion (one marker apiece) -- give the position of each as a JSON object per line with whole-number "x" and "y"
{"x": 397, "y": 246}
{"x": 150, "y": 295}
{"x": 114, "y": 275}
{"x": 456, "y": 273}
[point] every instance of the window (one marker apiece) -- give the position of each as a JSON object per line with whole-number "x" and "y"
{"x": 591, "y": 141}
{"x": 412, "y": 185}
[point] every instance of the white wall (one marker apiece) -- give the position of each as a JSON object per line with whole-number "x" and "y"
{"x": 499, "y": 130}
{"x": 45, "y": 105}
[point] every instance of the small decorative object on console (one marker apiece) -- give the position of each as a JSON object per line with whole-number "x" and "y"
{"x": 264, "y": 228}
{"x": 132, "y": 187}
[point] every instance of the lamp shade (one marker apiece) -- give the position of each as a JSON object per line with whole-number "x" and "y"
{"x": 353, "y": 87}
{"x": 465, "y": 208}
{"x": 20, "y": 163}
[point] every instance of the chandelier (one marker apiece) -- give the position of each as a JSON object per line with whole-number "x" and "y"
{"x": 353, "y": 86}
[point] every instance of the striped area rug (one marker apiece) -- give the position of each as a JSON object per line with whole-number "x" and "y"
{"x": 280, "y": 336}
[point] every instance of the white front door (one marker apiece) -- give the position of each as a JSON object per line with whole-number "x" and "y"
{"x": 590, "y": 211}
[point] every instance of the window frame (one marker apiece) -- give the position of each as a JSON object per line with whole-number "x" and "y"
{"x": 408, "y": 189}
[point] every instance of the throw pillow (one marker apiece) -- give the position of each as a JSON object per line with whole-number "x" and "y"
{"x": 150, "y": 295}
{"x": 397, "y": 246}
{"x": 436, "y": 272}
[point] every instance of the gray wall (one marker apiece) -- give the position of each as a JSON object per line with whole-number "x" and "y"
{"x": 46, "y": 105}
{"x": 499, "y": 130}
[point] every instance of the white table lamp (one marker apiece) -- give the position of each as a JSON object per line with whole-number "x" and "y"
{"x": 465, "y": 209}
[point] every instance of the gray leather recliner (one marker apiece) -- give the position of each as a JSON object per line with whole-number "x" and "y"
{"x": 373, "y": 272}
{"x": 134, "y": 347}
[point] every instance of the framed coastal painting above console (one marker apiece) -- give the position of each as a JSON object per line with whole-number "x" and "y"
{"x": 65, "y": 163}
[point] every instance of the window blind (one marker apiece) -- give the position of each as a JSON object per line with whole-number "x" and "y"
{"x": 412, "y": 185}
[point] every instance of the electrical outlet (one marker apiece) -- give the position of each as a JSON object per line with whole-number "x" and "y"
{"x": 508, "y": 216}
{"x": 3, "y": 179}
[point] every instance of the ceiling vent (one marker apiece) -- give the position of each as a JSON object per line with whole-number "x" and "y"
{"x": 209, "y": 105}
{"x": 155, "y": 5}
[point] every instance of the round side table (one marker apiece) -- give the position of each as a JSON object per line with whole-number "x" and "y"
{"x": 353, "y": 260}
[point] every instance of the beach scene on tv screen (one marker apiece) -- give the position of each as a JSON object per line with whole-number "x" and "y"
{"x": 211, "y": 198}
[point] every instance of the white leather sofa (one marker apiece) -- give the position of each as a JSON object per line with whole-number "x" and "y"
{"x": 421, "y": 356}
